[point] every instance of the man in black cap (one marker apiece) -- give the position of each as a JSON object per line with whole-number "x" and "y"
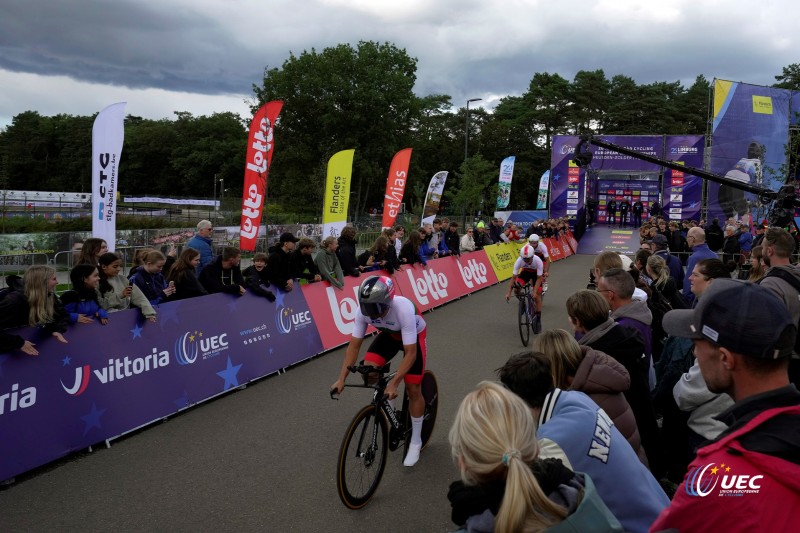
{"x": 279, "y": 266}
{"x": 743, "y": 336}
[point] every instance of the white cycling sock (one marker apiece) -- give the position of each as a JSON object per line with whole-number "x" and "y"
{"x": 416, "y": 430}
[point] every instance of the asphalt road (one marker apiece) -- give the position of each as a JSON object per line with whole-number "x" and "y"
{"x": 264, "y": 458}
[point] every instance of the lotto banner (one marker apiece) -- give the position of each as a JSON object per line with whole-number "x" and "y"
{"x": 110, "y": 379}
{"x": 395, "y": 187}
{"x": 554, "y": 249}
{"x": 749, "y": 135}
{"x": 257, "y": 164}
{"x": 334, "y": 310}
{"x": 573, "y": 242}
{"x": 502, "y": 257}
{"x": 563, "y": 243}
{"x": 337, "y": 193}
{"x": 108, "y": 132}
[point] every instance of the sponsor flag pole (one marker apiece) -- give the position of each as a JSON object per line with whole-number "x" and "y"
{"x": 433, "y": 197}
{"x": 395, "y": 187}
{"x": 337, "y": 193}
{"x": 260, "y": 147}
{"x": 504, "y": 186}
{"x": 108, "y": 132}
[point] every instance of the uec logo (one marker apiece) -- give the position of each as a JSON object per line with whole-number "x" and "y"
{"x": 285, "y": 319}
{"x": 702, "y": 481}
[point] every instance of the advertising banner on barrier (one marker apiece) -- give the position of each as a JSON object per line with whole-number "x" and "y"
{"x": 564, "y": 245}
{"x": 554, "y": 249}
{"x": 430, "y": 286}
{"x": 502, "y": 257}
{"x": 77, "y": 394}
{"x": 573, "y": 242}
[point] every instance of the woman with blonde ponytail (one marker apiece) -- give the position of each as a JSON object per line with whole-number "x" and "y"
{"x": 504, "y": 486}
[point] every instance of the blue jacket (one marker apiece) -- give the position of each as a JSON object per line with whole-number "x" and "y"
{"x": 746, "y": 241}
{"x": 79, "y": 304}
{"x": 699, "y": 252}
{"x": 595, "y": 446}
{"x": 675, "y": 266}
{"x": 426, "y": 251}
{"x": 202, "y": 245}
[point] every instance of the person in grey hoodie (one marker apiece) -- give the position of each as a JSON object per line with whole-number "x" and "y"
{"x": 692, "y": 395}
{"x": 328, "y": 263}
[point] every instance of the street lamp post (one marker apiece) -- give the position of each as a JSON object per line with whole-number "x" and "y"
{"x": 215, "y": 194}
{"x": 221, "y": 194}
{"x": 466, "y": 133}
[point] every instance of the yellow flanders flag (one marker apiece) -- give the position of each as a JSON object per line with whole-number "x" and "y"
{"x": 337, "y": 193}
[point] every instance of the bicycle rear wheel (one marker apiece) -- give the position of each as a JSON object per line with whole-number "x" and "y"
{"x": 524, "y": 323}
{"x": 362, "y": 457}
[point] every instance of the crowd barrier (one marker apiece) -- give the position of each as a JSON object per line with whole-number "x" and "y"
{"x": 109, "y": 380}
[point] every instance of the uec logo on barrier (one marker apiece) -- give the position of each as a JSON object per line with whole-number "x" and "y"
{"x": 430, "y": 283}
{"x": 473, "y": 273}
{"x": 286, "y": 319}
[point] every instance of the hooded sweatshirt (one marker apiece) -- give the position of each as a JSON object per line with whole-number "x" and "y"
{"x": 692, "y": 395}
{"x": 605, "y": 381}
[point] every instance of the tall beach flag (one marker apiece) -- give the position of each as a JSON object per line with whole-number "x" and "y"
{"x": 260, "y": 146}
{"x": 433, "y": 197}
{"x": 337, "y": 193}
{"x": 504, "y": 186}
{"x": 395, "y": 187}
{"x": 544, "y": 185}
{"x": 108, "y": 133}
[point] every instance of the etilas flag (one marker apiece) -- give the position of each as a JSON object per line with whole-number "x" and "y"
{"x": 433, "y": 197}
{"x": 395, "y": 187}
{"x": 504, "y": 187}
{"x": 260, "y": 146}
{"x": 337, "y": 193}
{"x": 108, "y": 133}
{"x": 544, "y": 184}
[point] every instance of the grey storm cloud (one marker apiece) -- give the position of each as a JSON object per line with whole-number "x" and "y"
{"x": 126, "y": 43}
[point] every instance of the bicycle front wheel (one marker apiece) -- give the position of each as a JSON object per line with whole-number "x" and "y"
{"x": 524, "y": 322}
{"x": 362, "y": 457}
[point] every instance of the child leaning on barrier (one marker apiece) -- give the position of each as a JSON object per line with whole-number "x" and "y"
{"x": 82, "y": 301}
{"x": 115, "y": 292}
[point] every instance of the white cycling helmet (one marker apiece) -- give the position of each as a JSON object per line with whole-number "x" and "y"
{"x": 533, "y": 239}
{"x": 527, "y": 252}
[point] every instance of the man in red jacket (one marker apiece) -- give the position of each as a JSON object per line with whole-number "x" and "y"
{"x": 748, "y": 478}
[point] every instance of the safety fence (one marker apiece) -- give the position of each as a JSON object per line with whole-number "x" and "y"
{"x": 111, "y": 379}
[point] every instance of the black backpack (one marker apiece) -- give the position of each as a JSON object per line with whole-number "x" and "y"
{"x": 795, "y": 283}
{"x": 13, "y": 283}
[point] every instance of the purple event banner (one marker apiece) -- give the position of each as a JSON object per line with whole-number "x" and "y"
{"x": 683, "y": 193}
{"x": 111, "y": 379}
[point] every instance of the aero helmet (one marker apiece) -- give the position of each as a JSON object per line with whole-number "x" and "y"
{"x": 527, "y": 252}
{"x": 375, "y": 294}
{"x": 533, "y": 239}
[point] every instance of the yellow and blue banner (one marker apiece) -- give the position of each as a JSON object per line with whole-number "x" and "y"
{"x": 337, "y": 193}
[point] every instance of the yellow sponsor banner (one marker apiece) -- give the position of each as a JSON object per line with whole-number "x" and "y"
{"x": 721, "y": 90}
{"x": 337, "y": 193}
{"x": 762, "y": 104}
{"x": 502, "y": 257}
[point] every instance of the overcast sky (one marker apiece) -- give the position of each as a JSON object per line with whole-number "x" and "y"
{"x": 203, "y": 56}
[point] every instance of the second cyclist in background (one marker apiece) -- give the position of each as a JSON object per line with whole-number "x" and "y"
{"x": 528, "y": 268}
{"x": 540, "y": 249}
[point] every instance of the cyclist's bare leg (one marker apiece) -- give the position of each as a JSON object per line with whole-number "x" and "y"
{"x": 416, "y": 402}
{"x": 537, "y": 300}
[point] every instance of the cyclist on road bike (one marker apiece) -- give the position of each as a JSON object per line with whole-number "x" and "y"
{"x": 541, "y": 252}
{"x": 528, "y": 269}
{"x": 399, "y": 327}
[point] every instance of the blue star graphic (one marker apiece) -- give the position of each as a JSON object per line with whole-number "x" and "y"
{"x": 167, "y": 314}
{"x": 270, "y": 351}
{"x": 556, "y": 176}
{"x": 92, "y": 419}
{"x": 232, "y": 306}
{"x": 279, "y": 296}
{"x": 66, "y": 361}
{"x": 229, "y": 375}
{"x": 137, "y": 331}
{"x": 183, "y": 401}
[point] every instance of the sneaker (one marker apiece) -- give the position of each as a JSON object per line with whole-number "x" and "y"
{"x": 413, "y": 454}
{"x": 544, "y": 287}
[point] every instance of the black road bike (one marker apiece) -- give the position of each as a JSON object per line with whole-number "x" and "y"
{"x": 375, "y": 429}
